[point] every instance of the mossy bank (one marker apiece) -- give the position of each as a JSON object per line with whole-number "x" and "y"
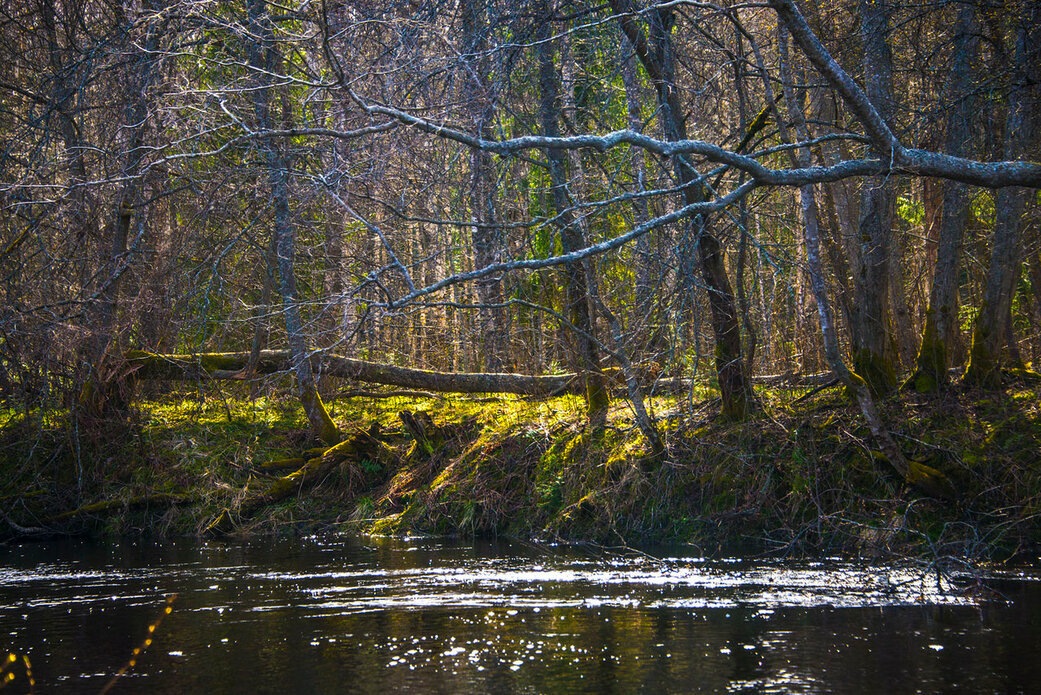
{"x": 794, "y": 477}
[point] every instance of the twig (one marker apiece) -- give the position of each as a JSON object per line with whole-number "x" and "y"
{"x": 815, "y": 391}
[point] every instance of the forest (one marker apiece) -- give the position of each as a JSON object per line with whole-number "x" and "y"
{"x": 628, "y": 269}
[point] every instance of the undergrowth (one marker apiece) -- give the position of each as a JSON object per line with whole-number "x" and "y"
{"x": 797, "y": 477}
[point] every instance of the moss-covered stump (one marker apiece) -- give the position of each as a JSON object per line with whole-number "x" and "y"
{"x": 931, "y": 481}
{"x": 984, "y": 370}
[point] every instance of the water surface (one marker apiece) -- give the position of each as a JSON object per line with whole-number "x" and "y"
{"x": 350, "y": 615}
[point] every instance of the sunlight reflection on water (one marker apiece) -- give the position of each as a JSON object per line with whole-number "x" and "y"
{"x": 344, "y": 615}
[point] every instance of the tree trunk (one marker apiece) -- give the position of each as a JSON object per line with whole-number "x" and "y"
{"x": 941, "y": 316}
{"x": 230, "y": 365}
{"x": 263, "y": 57}
{"x": 925, "y": 478}
{"x": 1034, "y": 268}
{"x": 572, "y": 238}
{"x": 873, "y": 355}
{"x": 646, "y": 265}
{"x": 479, "y": 93}
{"x": 64, "y": 98}
{"x": 742, "y": 212}
{"x": 988, "y": 333}
{"x": 838, "y": 260}
{"x": 656, "y": 57}
{"x": 98, "y": 395}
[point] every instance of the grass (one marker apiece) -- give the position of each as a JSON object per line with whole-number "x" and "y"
{"x": 799, "y": 476}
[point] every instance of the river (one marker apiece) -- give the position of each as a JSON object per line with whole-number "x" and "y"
{"x": 362, "y": 615}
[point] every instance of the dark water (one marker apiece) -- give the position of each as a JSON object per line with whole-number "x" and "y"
{"x": 374, "y": 616}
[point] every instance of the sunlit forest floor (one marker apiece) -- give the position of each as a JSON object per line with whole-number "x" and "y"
{"x": 798, "y": 477}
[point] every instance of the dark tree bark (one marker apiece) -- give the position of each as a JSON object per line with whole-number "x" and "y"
{"x": 873, "y": 354}
{"x": 100, "y": 392}
{"x": 925, "y": 478}
{"x": 656, "y": 56}
{"x": 479, "y": 93}
{"x": 66, "y": 69}
{"x": 231, "y": 365}
{"x": 742, "y": 211}
{"x": 1034, "y": 269}
{"x": 572, "y": 236}
{"x": 263, "y": 57}
{"x": 989, "y": 329}
{"x": 941, "y": 316}
{"x": 647, "y": 264}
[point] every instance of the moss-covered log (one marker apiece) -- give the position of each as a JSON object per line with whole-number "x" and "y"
{"x": 294, "y": 463}
{"x": 231, "y": 365}
{"x": 358, "y": 447}
{"x": 106, "y": 507}
{"x": 234, "y": 365}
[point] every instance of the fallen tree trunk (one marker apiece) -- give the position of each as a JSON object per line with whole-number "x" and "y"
{"x": 231, "y": 365}
{"x": 236, "y": 365}
{"x": 793, "y": 380}
{"x": 360, "y": 445}
{"x": 120, "y": 505}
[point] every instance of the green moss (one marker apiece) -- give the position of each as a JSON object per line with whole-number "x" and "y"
{"x": 931, "y": 481}
{"x": 876, "y": 370}
{"x": 327, "y": 430}
{"x": 931, "y": 366}
{"x": 531, "y": 468}
{"x": 984, "y": 370}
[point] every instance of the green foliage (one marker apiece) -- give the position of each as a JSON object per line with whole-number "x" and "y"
{"x": 983, "y": 209}
{"x": 911, "y": 211}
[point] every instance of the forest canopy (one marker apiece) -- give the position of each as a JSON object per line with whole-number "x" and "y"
{"x": 628, "y": 197}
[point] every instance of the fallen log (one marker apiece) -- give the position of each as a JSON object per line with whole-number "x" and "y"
{"x": 361, "y": 445}
{"x": 104, "y": 507}
{"x": 793, "y": 380}
{"x": 37, "y": 532}
{"x": 394, "y": 393}
{"x": 282, "y": 464}
{"x": 232, "y": 365}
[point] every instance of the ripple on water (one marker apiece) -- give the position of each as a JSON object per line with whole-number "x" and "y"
{"x": 456, "y": 620}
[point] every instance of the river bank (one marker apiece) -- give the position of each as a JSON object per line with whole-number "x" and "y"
{"x": 796, "y": 477}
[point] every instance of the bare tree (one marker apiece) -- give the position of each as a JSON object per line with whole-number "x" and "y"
{"x": 989, "y": 330}
{"x": 572, "y": 237}
{"x": 264, "y": 60}
{"x": 656, "y": 55}
{"x": 942, "y": 313}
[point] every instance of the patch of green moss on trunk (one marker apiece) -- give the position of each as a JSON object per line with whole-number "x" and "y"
{"x": 930, "y": 373}
{"x": 876, "y": 370}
